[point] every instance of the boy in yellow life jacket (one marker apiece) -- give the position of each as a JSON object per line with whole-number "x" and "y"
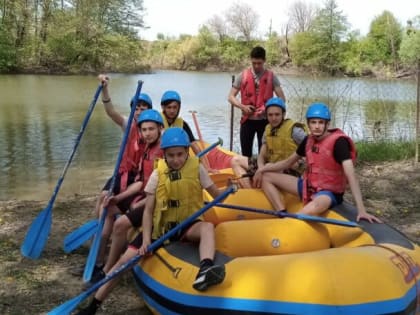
{"x": 281, "y": 138}
{"x": 173, "y": 193}
{"x": 171, "y": 106}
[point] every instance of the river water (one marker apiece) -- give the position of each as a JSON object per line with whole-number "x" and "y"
{"x": 41, "y": 115}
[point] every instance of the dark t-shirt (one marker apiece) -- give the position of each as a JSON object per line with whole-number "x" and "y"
{"x": 187, "y": 129}
{"x": 341, "y": 149}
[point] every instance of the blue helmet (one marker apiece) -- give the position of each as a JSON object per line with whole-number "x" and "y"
{"x": 170, "y": 96}
{"x": 174, "y": 137}
{"x": 143, "y": 97}
{"x": 318, "y": 110}
{"x": 150, "y": 115}
{"x": 275, "y": 101}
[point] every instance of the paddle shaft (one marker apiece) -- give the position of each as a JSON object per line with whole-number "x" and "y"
{"x": 69, "y": 306}
{"x": 232, "y": 112}
{"x": 291, "y": 215}
{"x": 194, "y": 116}
{"x": 94, "y": 249}
{"x": 37, "y": 234}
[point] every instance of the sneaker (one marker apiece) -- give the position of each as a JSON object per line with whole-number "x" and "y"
{"x": 209, "y": 276}
{"x": 98, "y": 275}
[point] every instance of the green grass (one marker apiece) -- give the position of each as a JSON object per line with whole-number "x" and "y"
{"x": 385, "y": 151}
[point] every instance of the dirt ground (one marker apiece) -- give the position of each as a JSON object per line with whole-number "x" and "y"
{"x": 390, "y": 190}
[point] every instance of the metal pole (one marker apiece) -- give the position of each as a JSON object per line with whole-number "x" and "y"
{"x": 416, "y": 161}
{"x": 232, "y": 112}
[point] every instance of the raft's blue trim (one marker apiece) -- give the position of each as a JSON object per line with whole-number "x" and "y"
{"x": 224, "y": 303}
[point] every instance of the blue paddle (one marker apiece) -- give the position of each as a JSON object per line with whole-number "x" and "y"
{"x": 37, "y": 234}
{"x": 304, "y": 217}
{"x": 79, "y": 236}
{"x": 70, "y": 305}
{"x": 94, "y": 249}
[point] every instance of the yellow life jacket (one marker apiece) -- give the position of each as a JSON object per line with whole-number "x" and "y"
{"x": 179, "y": 122}
{"x": 280, "y": 143}
{"x": 178, "y": 195}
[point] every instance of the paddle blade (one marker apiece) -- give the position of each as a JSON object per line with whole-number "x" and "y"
{"x": 80, "y": 236}
{"x": 37, "y": 234}
{"x": 69, "y": 306}
{"x": 94, "y": 248}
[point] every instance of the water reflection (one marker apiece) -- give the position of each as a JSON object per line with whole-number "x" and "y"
{"x": 40, "y": 118}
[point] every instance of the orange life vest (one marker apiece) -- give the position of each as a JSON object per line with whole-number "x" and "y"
{"x": 322, "y": 170}
{"x": 249, "y": 94}
{"x": 147, "y": 161}
{"x": 131, "y": 157}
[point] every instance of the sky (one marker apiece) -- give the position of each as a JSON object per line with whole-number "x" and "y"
{"x": 175, "y": 17}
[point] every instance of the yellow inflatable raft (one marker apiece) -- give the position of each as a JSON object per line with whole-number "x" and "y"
{"x": 288, "y": 266}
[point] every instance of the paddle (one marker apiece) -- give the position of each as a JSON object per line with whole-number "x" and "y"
{"x": 37, "y": 234}
{"x": 80, "y": 235}
{"x": 304, "y": 217}
{"x": 70, "y": 305}
{"x": 232, "y": 112}
{"x": 94, "y": 249}
{"x": 197, "y": 127}
{"x": 83, "y": 233}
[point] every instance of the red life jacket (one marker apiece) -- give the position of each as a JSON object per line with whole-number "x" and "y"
{"x": 131, "y": 157}
{"x": 147, "y": 162}
{"x": 322, "y": 170}
{"x": 249, "y": 92}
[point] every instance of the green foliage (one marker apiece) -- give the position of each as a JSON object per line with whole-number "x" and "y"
{"x": 410, "y": 45}
{"x": 384, "y": 39}
{"x": 273, "y": 49}
{"x": 329, "y": 29}
{"x": 385, "y": 151}
{"x": 7, "y": 52}
{"x": 302, "y": 50}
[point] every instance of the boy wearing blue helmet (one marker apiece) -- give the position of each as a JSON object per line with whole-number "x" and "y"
{"x": 130, "y": 202}
{"x": 132, "y": 154}
{"x": 171, "y": 106}
{"x": 173, "y": 193}
{"x": 280, "y": 139}
{"x": 330, "y": 156}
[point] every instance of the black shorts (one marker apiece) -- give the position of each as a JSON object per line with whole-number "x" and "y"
{"x": 138, "y": 241}
{"x": 117, "y": 187}
{"x": 135, "y": 217}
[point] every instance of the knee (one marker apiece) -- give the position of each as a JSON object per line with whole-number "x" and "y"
{"x": 207, "y": 228}
{"x": 121, "y": 226}
{"x": 234, "y": 162}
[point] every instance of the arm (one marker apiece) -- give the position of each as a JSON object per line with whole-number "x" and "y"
{"x": 106, "y": 99}
{"x": 213, "y": 191}
{"x": 262, "y": 155}
{"x": 130, "y": 191}
{"x": 279, "y": 92}
{"x": 281, "y": 165}
{"x": 355, "y": 190}
{"x": 246, "y": 109}
{"x": 147, "y": 223}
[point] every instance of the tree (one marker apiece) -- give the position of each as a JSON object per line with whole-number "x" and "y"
{"x": 301, "y": 15}
{"x": 410, "y": 45}
{"x": 243, "y": 20}
{"x": 218, "y": 26}
{"x": 329, "y": 29}
{"x": 384, "y": 39}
